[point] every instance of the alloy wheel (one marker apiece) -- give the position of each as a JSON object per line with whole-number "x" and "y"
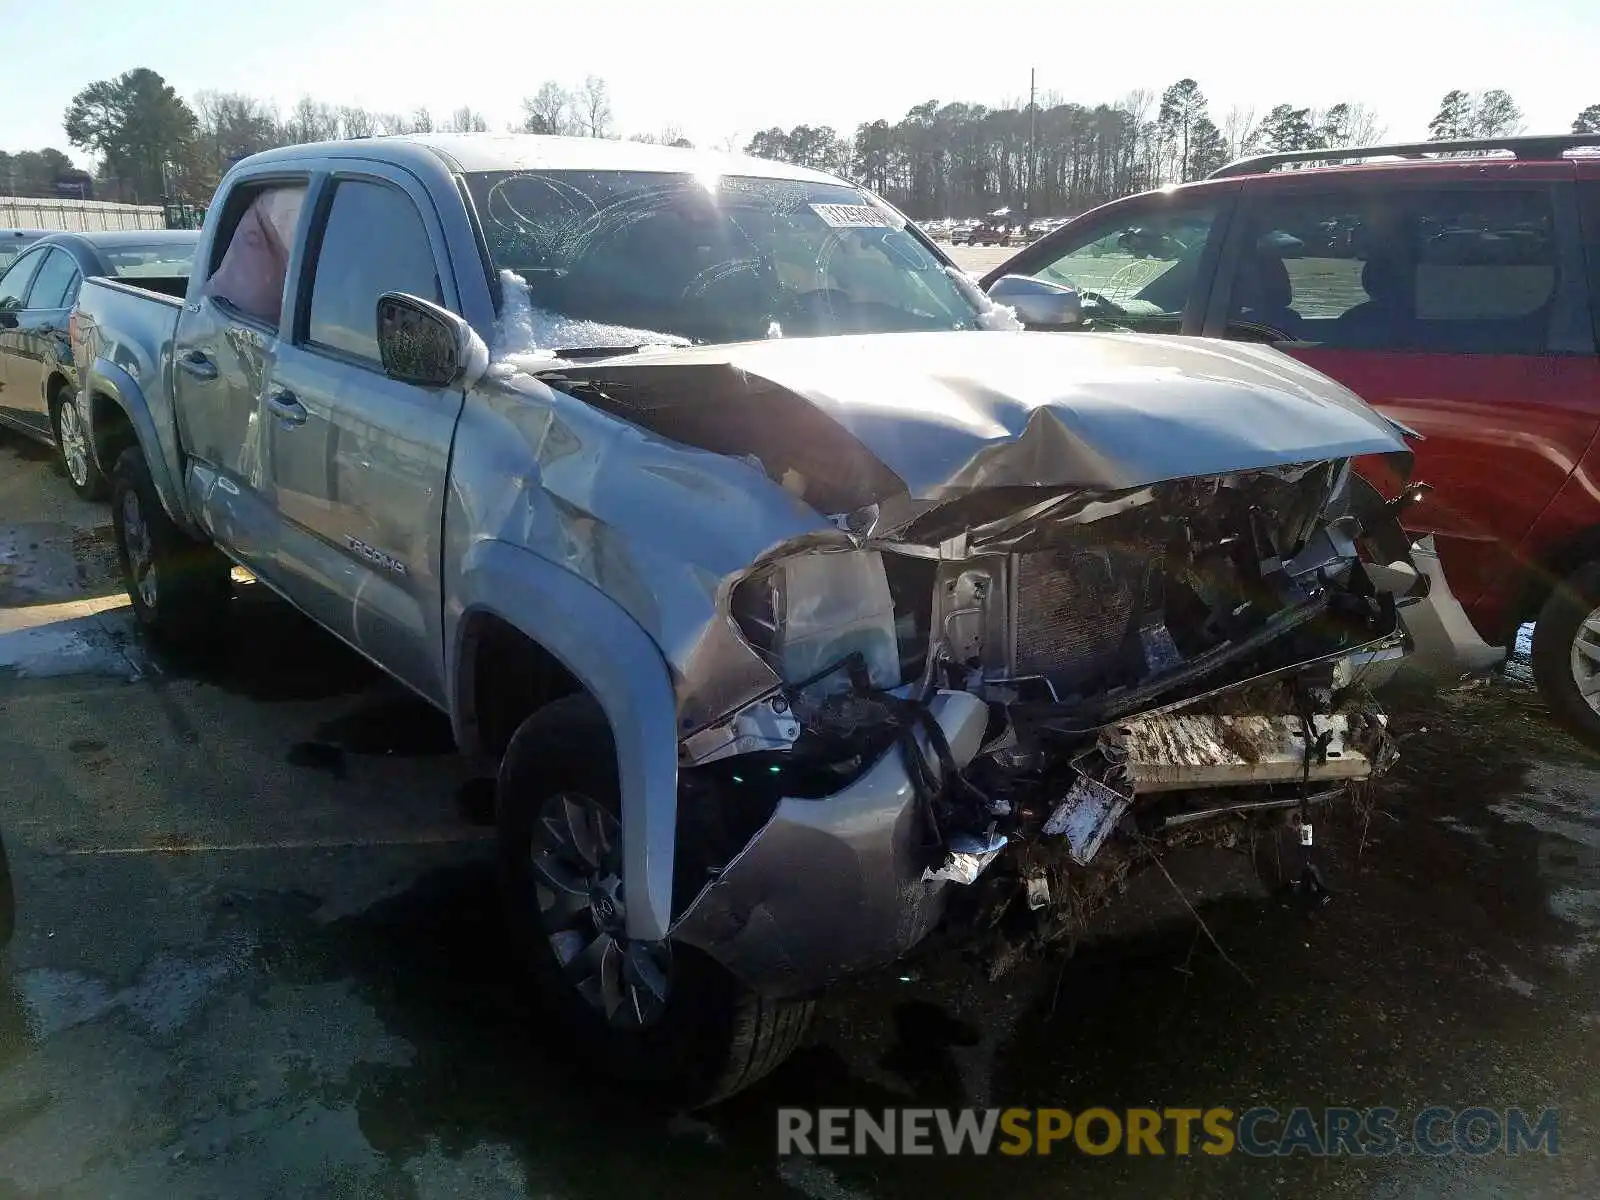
{"x": 1585, "y": 656}
{"x": 577, "y": 869}
{"x": 74, "y": 441}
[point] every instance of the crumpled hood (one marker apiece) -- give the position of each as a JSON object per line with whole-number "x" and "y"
{"x": 953, "y": 412}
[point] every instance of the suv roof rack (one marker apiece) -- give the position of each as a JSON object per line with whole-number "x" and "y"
{"x": 1538, "y": 149}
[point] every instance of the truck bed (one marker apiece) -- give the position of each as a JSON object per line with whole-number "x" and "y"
{"x": 169, "y": 289}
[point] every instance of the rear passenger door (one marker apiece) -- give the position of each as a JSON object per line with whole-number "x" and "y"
{"x": 226, "y": 343}
{"x": 1454, "y": 309}
{"x": 358, "y": 461}
{"x": 14, "y": 286}
{"x": 41, "y": 336}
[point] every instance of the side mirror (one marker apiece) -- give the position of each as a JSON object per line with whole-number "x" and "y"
{"x": 421, "y": 343}
{"x": 1039, "y": 304}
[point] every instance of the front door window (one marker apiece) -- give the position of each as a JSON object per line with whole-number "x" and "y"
{"x": 1142, "y": 264}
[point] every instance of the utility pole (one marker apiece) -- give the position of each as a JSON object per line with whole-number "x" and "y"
{"x": 1027, "y": 203}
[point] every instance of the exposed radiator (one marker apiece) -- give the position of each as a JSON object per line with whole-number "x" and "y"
{"x": 1073, "y": 610}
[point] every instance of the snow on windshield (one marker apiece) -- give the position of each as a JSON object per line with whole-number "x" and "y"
{"x": 525, "y": 332}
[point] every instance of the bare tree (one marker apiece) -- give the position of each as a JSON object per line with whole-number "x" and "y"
{"x": 671, "y": 135}
{"x": 422, "y": 121}
{"x": 312, "y": 121}
{"x": 466, "y": 120}
{"x": 356, "y": 122}
{"x": 594, "y": 107}
{"x": 392, "y": 123}
{"x": 549, "y": 110}
{"x": 1348, "y": 123}
{"x": 1239, "y": 130}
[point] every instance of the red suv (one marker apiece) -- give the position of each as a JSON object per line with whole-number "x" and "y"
{"x": 1458, "y": 293}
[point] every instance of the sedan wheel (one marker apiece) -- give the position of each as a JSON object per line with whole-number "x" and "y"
{"x": 77, "y": 456}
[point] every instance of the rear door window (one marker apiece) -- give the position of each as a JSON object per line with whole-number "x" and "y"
{"x": 14, "y": 283}
{"x": 56, "y": 283}
{"x": 1468, "y": 271}
{"x": 1589, "y": 204}
{"x": 1144, "y": 264}
{"x": 258, "y": 234}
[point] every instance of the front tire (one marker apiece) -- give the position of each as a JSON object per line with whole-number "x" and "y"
{"x": 653, "y": 1014}
{"x": 1566, "y": 653}
{"x": 180, "y": 588}
{"x": 74, "y": 453}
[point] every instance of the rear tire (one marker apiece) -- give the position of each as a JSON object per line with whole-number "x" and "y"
{"x": 711, "y": 1036}
{"x": 1566, "y": 653}
{"x": 74, "y": 453}
{"x": 180, "y": 588}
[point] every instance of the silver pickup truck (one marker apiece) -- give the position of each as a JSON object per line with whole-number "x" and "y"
{"x": 804, "y": 603}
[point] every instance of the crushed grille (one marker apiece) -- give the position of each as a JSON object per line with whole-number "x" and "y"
{"x": 1074, "y": 608}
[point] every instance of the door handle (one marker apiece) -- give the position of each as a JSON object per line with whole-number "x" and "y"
{"x": 284, "y": 406}
{"x": 198, "y": 365}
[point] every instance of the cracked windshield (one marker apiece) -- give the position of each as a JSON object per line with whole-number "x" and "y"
{"x": 799, "y": 603}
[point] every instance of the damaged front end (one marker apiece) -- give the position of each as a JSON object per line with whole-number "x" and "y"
{"x": 1022, "y": 708}
{"x": 1051, "y": 607}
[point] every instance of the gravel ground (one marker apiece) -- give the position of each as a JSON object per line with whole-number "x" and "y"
{"x": 259, "y": 955}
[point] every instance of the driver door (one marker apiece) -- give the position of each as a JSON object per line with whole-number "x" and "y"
{"x": 1146, "y": 262}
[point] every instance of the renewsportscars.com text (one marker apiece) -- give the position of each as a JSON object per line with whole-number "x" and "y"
{"x": 1436, "y": 1131}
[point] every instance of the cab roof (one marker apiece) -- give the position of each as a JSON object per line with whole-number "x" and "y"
{"x": 471, "y": 153}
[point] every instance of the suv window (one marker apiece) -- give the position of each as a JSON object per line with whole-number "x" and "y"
{"x": 1464, "y": 271}
{"x": 1144, "y": 264}
{"x": 373, "y": 242}
{"x": 1589, "y": 204}
{"x": 14, "y": 283}
{"x": 250, "y": 276}
{"x": 55, "y": 278}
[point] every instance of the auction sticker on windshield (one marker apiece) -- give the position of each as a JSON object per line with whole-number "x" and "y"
{"x": 854, "y": 216}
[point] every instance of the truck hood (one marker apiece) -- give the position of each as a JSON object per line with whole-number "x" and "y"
{"x": 950, "y": 413}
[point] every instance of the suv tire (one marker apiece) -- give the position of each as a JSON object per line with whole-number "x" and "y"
{"x": 1570, "y": 620}
{"x": 180, "y": 587}
{"x": 712, "y": 1036}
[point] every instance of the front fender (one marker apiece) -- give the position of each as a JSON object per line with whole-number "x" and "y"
{"x": 622, "y": 667}
{"x": 106, "y": 379}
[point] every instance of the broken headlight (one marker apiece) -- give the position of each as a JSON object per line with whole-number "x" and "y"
{"x": 810, "y": 614}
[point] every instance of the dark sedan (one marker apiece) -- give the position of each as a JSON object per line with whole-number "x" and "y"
{"x": 38, "y": 384}
{"x": 14, "y": 241}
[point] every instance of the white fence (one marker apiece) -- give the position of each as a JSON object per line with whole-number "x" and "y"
{"x": 78, "y": 216}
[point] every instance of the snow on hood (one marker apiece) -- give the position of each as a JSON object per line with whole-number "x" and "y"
{"x": 953, "y": 412}
{"x": 526, "y": 337}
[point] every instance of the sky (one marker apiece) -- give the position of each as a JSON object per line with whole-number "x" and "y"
{"x": 724, "y": 70}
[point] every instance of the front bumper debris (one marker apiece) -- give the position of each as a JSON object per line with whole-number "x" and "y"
{"x": 1179, "y": 751}
{"x": 833, "y": 886}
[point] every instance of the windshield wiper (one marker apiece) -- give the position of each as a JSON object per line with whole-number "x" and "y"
{"x": 609, "y": 351}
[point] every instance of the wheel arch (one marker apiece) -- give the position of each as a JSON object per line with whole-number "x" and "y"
{"x": 56, "y": 382}
{"x": 1544, "y": 570}
{"x": 585, "y": 641}
{"x": 120, "y": 417}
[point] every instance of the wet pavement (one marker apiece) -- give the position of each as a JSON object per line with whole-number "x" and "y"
{"x": 259, "y": 954}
